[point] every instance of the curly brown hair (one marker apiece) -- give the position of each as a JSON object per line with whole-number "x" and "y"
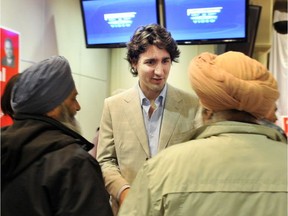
{"x": 145, "y": 36}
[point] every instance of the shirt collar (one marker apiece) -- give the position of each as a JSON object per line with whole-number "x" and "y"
{"x": 160, "y": 100}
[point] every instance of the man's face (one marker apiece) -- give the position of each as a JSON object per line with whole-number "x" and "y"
{"x": 72, "y": 104}
{"x": 8, "y": 49}
{"x": 153, "y": 69}
{"x": 68, "y": 110}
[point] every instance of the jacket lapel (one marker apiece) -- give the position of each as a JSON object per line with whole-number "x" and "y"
{"x": 171, "y": 116}
{"x": 135, "y": 118}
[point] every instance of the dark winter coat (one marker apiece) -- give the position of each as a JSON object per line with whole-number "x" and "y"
{"x": 46, "y": 170}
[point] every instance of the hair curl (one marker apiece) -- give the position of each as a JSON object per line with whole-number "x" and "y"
{"x": 145, "y": 36}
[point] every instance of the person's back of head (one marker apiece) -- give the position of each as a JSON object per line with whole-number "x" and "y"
{"x": 6, "y": 96}
{"x": 234, "y": 83}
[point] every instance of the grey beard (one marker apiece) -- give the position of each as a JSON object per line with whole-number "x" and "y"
{"x": 69, "y": 121}
{"x": 73, "y": 126}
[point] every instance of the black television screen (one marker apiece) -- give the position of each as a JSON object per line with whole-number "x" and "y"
{"x": 206, "y": 21}
{"x": 111, "y": 23}
{"x": 253, "y": 22}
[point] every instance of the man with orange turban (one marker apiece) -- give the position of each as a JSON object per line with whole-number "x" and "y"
{"x": 233, "y": 165}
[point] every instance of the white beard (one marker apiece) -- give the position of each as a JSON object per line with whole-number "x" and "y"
{"x": 68, "y": 120}
{"x": 75, "y": 126}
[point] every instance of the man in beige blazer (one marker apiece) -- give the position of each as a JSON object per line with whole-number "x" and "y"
{"x": 138, "y": 123}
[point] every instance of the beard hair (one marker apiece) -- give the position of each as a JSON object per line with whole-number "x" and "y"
{"x": 67, "y": 119}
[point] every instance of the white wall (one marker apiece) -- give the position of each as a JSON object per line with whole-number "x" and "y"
{"x": 34, "y": 21}
{"x": 54, "y": 27}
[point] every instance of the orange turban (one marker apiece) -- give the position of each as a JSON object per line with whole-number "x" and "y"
{"x": 233, "y": 81}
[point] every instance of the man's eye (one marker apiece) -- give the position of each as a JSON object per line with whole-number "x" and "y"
{"x": 150, "y": 62}
{"x": 166, "y": 60}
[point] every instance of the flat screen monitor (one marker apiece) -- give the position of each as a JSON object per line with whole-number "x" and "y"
{"x": 111, "y": 23}
{"x": 206, "y": 21}
{"x": 253, "y": 23}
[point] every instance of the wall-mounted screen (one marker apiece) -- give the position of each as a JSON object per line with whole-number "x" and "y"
{"x": 253, "y": 22}
{"x": 203, "y": 21}
{"x": 111, "y": 23}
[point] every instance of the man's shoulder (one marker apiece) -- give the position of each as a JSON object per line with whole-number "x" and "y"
{"x": 127, "y": 94}
{"x": 69, "y": 154}
{"x": 180, "y": 93}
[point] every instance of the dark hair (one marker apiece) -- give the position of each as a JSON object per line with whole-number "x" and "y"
{"x": 152, "y": 34}
{"x": 6, "y": 96}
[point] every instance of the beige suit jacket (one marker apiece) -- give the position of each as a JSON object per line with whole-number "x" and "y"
{"x": 123, "y": 145}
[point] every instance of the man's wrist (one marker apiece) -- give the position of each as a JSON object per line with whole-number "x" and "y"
{"x": 124, "y": 187}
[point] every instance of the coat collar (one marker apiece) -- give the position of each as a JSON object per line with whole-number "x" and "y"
{"x": 218, "y": 128}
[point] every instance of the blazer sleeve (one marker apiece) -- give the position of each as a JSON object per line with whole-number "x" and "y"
{"x": 106, "y": 154}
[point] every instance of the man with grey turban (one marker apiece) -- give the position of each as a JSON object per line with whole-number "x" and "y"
{"x": 233, "y": 166}
{"x": 45, "y": 166}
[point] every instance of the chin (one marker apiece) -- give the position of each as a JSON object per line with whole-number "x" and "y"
{"x": 157, "y": 87}
{"x": 73, "y": 124}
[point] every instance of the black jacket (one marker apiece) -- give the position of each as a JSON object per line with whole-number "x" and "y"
{"x": 46, "y": 170}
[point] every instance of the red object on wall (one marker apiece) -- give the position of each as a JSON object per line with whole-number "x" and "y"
{"x": 9, "y": 63}
{"x": 285, "y": 124}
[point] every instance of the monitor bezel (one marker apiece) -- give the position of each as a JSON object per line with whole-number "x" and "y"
{"x": 110, "y": 45}
{"x": 211, "y": 41}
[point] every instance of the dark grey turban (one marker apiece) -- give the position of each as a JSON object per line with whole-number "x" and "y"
{"x": 43, "y": 86}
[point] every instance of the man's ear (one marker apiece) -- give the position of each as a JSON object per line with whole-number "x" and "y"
{"x": 210, "y": 114}
{"x": 134, "y": 66}
{"x": 55, "y": 113}
{"x": 207, "y": 114}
